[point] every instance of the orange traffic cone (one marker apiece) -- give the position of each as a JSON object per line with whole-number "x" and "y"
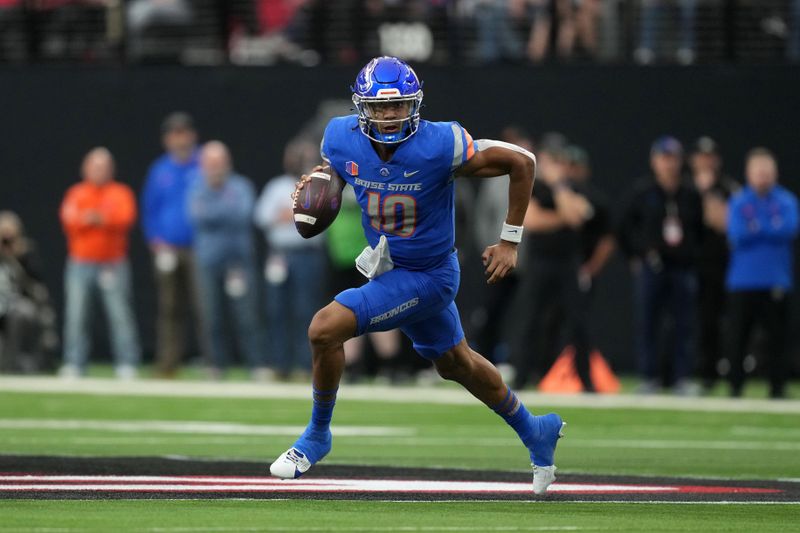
{"x": 562, "y": 378}
{"x": 603, "y": 378}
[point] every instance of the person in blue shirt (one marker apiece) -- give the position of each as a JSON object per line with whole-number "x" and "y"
{"x": 169, "y": 235}
{"x": 402, "y": 170}
{"x": 762, "y": 227}
{"x": 221, "y": 208}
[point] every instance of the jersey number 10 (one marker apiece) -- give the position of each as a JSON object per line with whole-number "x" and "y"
{"x": 395, "y": 213}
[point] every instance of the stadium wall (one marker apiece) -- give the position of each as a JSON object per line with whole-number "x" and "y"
{"x": 54, "y": 115}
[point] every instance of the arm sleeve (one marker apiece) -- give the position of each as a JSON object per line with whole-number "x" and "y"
{"x": 740, "y": 231}
{"x": 198, "y": 207}
{"x": 122, "y": 213}
{"x": 784, "y": 228}
{"x": 463, "y": 146}
{"x": 265, "y": 210}
{"x": 245, "y": 202}
{"x": 70, "y": 213}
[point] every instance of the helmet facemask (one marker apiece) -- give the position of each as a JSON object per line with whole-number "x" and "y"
{"x": 407, "y": 119}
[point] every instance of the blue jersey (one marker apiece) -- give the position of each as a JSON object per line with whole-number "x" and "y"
{"x": 410, "y": 198}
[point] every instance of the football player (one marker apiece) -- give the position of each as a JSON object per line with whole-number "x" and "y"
{"x": 402, "y": 170}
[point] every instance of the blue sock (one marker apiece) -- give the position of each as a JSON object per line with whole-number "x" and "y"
{"x": 315, "y": 442}
{"x": 517, "y": 416}
{"x": 322, "y": 410}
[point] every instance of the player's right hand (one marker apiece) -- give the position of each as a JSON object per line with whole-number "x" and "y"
{"x": 305, "y": 178}
{"x": 499, "y": 259}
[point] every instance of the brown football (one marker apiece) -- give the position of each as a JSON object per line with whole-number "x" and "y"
{"x": 318, "y": 202}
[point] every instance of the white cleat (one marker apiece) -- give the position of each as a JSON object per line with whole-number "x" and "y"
{"x": 543, "y": 477}
{"x": 291, "y": 464}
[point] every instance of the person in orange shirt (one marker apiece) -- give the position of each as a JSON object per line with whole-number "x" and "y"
{"x": 97, "y": 215}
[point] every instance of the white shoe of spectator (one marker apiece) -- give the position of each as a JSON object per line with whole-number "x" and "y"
{"x": 262, "y": 374}
{"x": 685, "y": 56}
{"x": 428, "y": 377}
{"x": 644, "y": 56}
{"x": 70, "y": 372}
{"x": 507, "y": 372}
{"x": 126, "y": 372}
{"x": 648, "y": 386}
{"x": 686, "y": 387}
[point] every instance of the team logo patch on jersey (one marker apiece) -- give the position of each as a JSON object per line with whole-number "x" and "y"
{"x": 385, "y": 172}
{"x": 351, "y": 167}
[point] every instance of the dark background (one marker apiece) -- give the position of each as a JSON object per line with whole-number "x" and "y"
{"x": 53, "y": 116}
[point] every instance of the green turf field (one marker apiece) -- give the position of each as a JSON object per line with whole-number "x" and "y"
{"x": 667, "y": 442}
{"x": 378, "y": 517}
{"x": 614, "y": 441}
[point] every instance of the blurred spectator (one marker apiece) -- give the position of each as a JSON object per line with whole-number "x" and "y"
{"x": 278, "y": 32}
{"x": 496, "y": 35}
{"x": 762, "y": 227}
{"x": 295, "y": 267}
{"x": 715, "y": 189}
{"x": 564, "y": 22}
{"x": 12, "y": 31}
{"x": 581, "y": 367}
{"x": 221, "y": 208}
{"x": 653, "y": 18}
{"x": 491, "y": 208}
{"x": 555, "y": 215}
{"x": 83, "y": 30}
{"x": 597, "y": 236}
{"x": 310, "y": 32}
{"x": 166, "y": 225}
{"x": 157, "y": 28}
{"x": 27, "y": 318}
{"x": 345, "y": 240}
{"x": 661, "y": 233}
{"x": 416, "y": 30}
{"x": 793, "y": 50}
{"x": 97, "y": 216}
{"x": 597, "y": 247}
{"x": 588, "y": 16}
{"x": 221, "y": 21}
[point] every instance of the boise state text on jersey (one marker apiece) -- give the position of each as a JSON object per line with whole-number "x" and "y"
{"x": 411, "y": 197}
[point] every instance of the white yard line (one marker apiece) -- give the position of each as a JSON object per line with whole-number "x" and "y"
{"x": 766, "y": 431}
{"x": 656, "y": 444}
{"x": 313, "y": 529}
{"x": 559, "y": 502}
{"x": 111, "y": 387}
{"x": 195, "y": 428}
{"x": 140, "y": 432}
{"x": 376, "y": 529}
{"x": 263, "y": 501}
{"x": 24, "y": 483}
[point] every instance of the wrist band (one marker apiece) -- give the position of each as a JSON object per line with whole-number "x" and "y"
{"x": 511, "y": 233}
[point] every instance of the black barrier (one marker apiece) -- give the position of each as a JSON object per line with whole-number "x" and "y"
{"x": 53, "y": 116}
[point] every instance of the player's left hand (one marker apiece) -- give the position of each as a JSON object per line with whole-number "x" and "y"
{"x": 499, "y": 259}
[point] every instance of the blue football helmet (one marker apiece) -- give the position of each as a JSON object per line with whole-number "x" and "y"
{"x": 387, "y": 79}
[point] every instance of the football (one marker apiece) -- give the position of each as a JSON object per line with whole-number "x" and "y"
{"x": 317, "y": 203}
